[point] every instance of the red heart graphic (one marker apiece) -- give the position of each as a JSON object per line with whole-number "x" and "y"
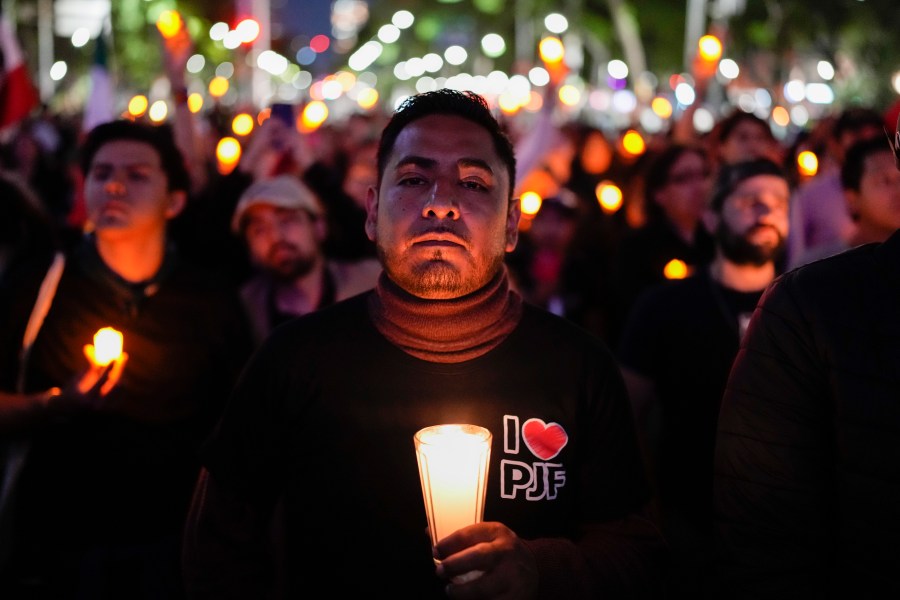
{"x": 545, "y": 441}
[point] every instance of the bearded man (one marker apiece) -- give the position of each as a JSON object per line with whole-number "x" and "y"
{"x": 677, "y": 348}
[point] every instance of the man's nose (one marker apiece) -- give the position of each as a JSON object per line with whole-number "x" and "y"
{"x": 114, "y": 187}
{"x": 441, "y": 202}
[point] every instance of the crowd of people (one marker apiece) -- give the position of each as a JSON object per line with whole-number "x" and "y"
{"x": 290, "y": 323}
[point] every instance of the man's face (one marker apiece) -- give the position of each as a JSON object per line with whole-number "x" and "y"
{"x": 126, "y": 190}
{"x": 284, "y": 242}
{"x": 753, "y": 224}
{"x": 683, "y": 197}
{"x": 877, "y": 202}
{"x": 441, "y": 219}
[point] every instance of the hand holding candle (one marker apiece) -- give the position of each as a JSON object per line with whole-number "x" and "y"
{"x": 107, "y": 359}
{"x": 107, "y": 346}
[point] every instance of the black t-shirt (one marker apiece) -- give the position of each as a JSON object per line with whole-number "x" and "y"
{"x": 684, "y": 335}
{"x": 326, "y": 412}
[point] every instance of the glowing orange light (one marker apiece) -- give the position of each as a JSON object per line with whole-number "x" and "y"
{"x": 313, "y": 115}
{"x": 228, "y": 153}
{"x": 807, "y": 163}
{"x": 551, "y": 50}
{"x": 662, "y": 107}
{"x": 169, "y": 23}
{"x": 675, "y": 269}
{"x": 263, "y": 115}
{"x": 107, "y": 346}
{"x": 137, "y": 106}
{"x": 609, "y": 196}
{"x": 242, "y": 124}
{"x": 368, "y": 98}
{"x": 535, "y": 101}
{"x": 508, "y": 103}
{"x": 569, "y": 95}
{"x": 781, "y": 116}
{"x": 218, "y": 86}
{"x": 710, "y": 48}
{"x": 530, "y": 203}
{"x": 195, "y": 102}
{"x": 633, "y": 144}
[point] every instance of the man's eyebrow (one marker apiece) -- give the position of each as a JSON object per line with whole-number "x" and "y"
{"x": 427, "y": 163}
{"x": 476, "y": 163}
{"x": 416, "y": 161}
{"x": 132, "y": 165}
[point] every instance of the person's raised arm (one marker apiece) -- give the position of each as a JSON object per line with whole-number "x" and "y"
{"x": 177, "y": 49}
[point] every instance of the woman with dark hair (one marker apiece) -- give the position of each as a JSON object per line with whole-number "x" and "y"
{"x": 672, "y": 241}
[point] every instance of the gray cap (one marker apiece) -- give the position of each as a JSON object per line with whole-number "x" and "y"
{"x": 283, "y": 191}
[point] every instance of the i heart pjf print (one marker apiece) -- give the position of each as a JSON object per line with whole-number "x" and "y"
{"x": 545, "y": 440}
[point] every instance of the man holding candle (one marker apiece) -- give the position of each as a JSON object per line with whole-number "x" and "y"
{"x": 323, "y": 419}
{"x": 104, "y": 490}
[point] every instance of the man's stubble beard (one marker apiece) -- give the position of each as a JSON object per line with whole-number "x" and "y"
{"x": 436, "y": 279}
{"x": 289, "y": 270}
{"x": 739, "y": 250}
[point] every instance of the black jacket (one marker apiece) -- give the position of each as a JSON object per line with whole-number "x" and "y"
{"x": 807, "y": 490}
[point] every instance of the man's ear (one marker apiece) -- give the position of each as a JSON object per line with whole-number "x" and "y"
{"x": 710, "y": 219}
{"x": 371, "y": 212}
{"x": 177, "y": 202}
{"x": 513, "y": 215}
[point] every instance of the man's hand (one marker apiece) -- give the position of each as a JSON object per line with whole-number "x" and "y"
{"x": 507, "y": 567}
{"x": 88, "y": 389}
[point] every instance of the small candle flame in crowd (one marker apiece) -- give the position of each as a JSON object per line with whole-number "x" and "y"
{"x": 108, "y": 345}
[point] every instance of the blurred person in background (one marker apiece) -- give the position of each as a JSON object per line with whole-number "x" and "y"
{"x": 555, "y": 265}
{"x": 807, "y": 458}
{"x": 872, "y": 191}
{"x": 820, "y": 216}
{"x": 284, "y": 227}
{"x": 677, "y": 348}
{"x": 104, "y": 489}
{"x": 742, "y": 136}
{"x": 36, "y": 153}
{"x": 676, "y": 186}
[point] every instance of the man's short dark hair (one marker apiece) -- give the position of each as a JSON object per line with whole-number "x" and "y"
{"x": 465, "y": 104}
{"x": 856, "y": 117}
{"x": 159, "y": 136}
{"x": 855, "y": 161}
{"x": 728, "y": 124}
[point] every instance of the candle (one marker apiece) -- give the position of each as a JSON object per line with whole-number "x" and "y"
{"x": 107, "y": 346}
{"x": 453, "y": 468}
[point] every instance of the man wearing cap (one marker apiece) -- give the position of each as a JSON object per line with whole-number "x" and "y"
{"x": 283, "y": 224}
{"x": 807, "y": 460}
{"x": 677, "y": 347}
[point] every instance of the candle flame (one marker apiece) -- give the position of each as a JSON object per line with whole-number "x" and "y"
{"x": 107, "y": 346}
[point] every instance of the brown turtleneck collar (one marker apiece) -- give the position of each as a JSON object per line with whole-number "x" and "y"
{"x": 446, "y": 331}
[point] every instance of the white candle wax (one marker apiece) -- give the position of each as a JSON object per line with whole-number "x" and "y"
{"x": 453, "y": 467}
